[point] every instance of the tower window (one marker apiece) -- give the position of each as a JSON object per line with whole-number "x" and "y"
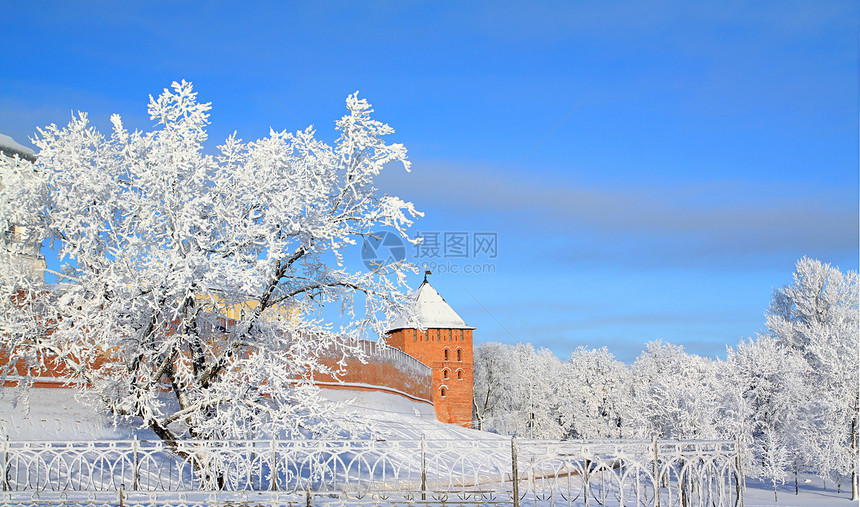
{"x": 445, "y": 374}
{"x": 459, "y": 355}
{"x": 444, "y": 392}
{"x": 459, "y": 374}
{"x": 445, "y": 354}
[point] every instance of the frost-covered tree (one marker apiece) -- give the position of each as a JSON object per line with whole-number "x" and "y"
{"x": 674, "y": 393}
{"x": 539, "y": 383}
{"x": 772, "y": 401}
{"x": 816, "y": 316}
{"x": 493, "y": 369}
{"x": 595, "y": 395}
{"x": 190, "y": 282}
{"x": 517, "y": 390}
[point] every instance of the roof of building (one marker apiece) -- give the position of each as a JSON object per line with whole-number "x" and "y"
{"x": 428, "y": 310}
{"x": 10, "y": 147}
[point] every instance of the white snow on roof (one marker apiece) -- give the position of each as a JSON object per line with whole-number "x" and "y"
{"x": 7, "y": 143}
{"x": 428, "y": 310}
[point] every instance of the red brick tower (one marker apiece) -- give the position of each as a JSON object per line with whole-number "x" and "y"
{"x": 432, "y": 332}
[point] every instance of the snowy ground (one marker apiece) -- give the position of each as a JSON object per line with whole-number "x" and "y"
{"x": 398, "y": 418}
{"x": 812, "y": 494}
{"x": 56, "y": 415}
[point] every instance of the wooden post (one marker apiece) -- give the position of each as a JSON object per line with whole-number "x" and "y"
{"x": 656, "y": 471}
{"x": 683, "y": 482}
{"x": 855, "y": 495}
{"x": 423, "y": 468}
{"x": 515, "y": 475}
{"x": 586, "y": 481}
{"x": 740, "y": 480}
{"x": 136, "y": 473}
{"x": 274, "y": 470}
{"x": 6, "y": 463}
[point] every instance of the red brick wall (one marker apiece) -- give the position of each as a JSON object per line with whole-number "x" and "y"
{"x": 381, "y": 372}
{"x": 385, "y": 372}
{"x": 429, "y": 347}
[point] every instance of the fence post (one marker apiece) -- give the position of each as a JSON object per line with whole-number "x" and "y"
{"x": 515, "y": 475}
{"x": 423, "y": 468}
{"x": 6, "y": 463}
{"x": 740, "y": 480}
{"x": 656, "y": 471}
{"x": 274, "y": 470}
{"x": 135, "y": 473}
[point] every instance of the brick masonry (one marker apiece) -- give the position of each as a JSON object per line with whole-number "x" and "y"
{"x": 381, "y": 372}
{"x": 449, "y": 353}
{"x": 377, "y": 371}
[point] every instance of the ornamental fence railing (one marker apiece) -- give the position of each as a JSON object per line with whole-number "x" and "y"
{"x": 485, "y": 471}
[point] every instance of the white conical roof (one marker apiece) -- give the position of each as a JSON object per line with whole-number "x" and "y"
{"x": 10, "y": 147}
{"x": 428, "y": 310}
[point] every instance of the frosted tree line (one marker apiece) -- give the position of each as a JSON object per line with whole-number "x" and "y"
{"x": 789, "y": 395}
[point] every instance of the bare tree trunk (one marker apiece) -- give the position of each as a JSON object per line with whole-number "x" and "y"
{"x": 796, "y": 489}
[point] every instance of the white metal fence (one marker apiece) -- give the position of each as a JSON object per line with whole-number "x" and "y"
{"x": 438, "y": 472}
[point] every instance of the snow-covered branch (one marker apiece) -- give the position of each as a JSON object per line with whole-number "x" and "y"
{"x": 189, "y": 278}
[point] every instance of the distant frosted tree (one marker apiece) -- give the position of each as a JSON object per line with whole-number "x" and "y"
{"x": 674, "y": 394}
{"x": 774, "y": 402}
{"x": 540, "y": 384}
{"x": 160, "y": 240}
{"x": 516, "y": 390}
{"x": 816, "y": 316}
{"x": 492, "y": 391}
{"x": 595, "y": 395}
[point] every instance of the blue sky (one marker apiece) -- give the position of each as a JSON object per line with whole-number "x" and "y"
{"x": 651, "y": 171}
